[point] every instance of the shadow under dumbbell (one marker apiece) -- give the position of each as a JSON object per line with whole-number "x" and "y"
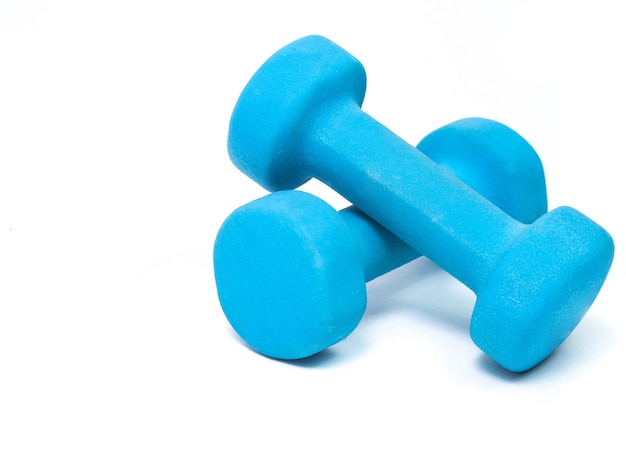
{"x": 327, "y": 357}
{"x": 487, "y": 365}
{"x": 561, "y": 359}
{"x": 425, "y": 289}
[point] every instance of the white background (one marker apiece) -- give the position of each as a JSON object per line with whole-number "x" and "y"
{"x": 114, "y": 179}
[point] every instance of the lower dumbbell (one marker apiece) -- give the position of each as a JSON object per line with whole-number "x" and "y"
{"x": 291, "y": 271}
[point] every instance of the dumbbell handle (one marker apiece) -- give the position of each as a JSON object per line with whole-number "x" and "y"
{"x": 398, "y": 186}
{"x": 382, "y": 251}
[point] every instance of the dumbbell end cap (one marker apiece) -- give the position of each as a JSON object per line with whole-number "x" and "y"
{"x": 281, "y": 99}
{"x": 541, "y": 288}
{"x": 289, "y": 275}
{"x": 495, "y": 161}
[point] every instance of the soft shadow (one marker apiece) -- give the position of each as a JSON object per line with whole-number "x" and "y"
{"x": 325, "y": 358}
{"x": 423, "y": 288}
{"x": 546, "y": 367}
{"x": 401, "y": 280}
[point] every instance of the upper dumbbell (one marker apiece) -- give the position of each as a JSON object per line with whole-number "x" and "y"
{"x": 300, "y": 117}
{"x": 291, "y": 271}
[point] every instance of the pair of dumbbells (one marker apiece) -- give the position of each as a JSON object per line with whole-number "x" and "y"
{"x": 291, "y": 271}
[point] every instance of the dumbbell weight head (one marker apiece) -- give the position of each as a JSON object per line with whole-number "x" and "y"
{"x": 312, "y": 75}
{"x": 541, "y": 288}
{"x": 291, "y": 271}
{"x": 517, "y": 183}
{"x": 289, "y": 275}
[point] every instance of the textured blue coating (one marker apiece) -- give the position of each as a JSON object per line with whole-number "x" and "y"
{"x": 300, "y": 117}
{"x": 285, "y": 280}
{"x": 540, "y": 288}
{"x": 289, "y": 287}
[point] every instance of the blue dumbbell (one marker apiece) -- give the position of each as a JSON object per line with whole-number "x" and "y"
{"x": 291, "y": 271}
{"x": 300, "y": 117}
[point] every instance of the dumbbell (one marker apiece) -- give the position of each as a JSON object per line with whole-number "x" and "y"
{"x": 291, "y": 271}
{"x": 300, "y": 117}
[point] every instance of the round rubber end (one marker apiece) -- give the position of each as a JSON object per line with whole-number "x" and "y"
{"x": 289, "y": 275}
{"x": 541, "y": 289}
{"x": 280, "y": 100}
{"x": 495, "y": 161}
